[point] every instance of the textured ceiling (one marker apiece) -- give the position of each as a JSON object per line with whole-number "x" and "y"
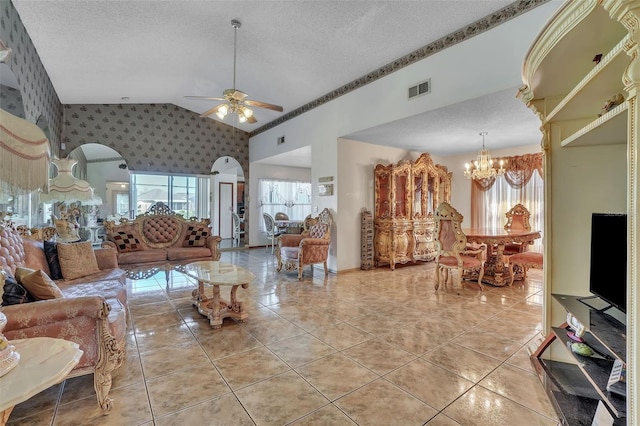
{"x": 289, "y": 52}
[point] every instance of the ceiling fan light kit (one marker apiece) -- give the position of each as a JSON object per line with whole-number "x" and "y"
{"x": 235, "y": 99}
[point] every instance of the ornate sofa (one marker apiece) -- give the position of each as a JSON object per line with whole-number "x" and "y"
{"x": 161, "y": 236}
{"x": 312, "y": 246}
{"x": 92, "y": 312}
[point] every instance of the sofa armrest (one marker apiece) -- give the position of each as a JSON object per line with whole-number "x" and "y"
{"x": 314, "y": 242}
{"x": 107, "y": 257}
{"x": 51, "y": 311}
{"x": 213, "y": 242}
{"x": 290, "y": 240}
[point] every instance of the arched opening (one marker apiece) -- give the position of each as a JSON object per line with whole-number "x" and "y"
{"x": 228, "y": 214}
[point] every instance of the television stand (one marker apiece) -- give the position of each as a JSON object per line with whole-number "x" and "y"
{"x": 575, "y": 389}
{"x": 608, "y": 308}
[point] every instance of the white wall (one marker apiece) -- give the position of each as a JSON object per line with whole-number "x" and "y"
{"x": 385, "y": 100}
{"x": 252, "y": 211}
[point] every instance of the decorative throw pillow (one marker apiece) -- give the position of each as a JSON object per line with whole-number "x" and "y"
{"x": 196, "y": 236}
{"x": 38, "y": 284}
{"x": 14, "y": 293}
{"x": 51, "y": 253}
{"x": 126, "y": 241}
{"x": 77, "y": 260}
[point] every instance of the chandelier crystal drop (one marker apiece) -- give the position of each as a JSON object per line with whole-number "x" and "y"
{"x": 482, "y": 168}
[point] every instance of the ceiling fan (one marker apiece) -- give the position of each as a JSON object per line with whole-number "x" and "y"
{"x": 235, "y": 100}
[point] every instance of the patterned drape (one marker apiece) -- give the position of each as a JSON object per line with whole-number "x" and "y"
{"x": 518, "y": 171}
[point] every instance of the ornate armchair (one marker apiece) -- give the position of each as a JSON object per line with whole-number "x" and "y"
{"x": 312, "y": 246}
{"x": 451, "y": 244}
{"x": 517, "y": 220}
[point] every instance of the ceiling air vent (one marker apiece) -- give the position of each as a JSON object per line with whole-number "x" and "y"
{"x": 420, "y": 89}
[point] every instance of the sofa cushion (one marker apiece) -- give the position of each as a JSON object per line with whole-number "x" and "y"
{"x": 77, "y": 259}
{"x": 143, "y": 256}
{"x": 161, "y": 229}
{"x": 51, "y": 254}
{"x": 126, "y": 241}
{"x": 109, "y": 289}
{"x": 13, "y": 292}
{"x": 195, "y": 236}
{"x": 181, "y": 253}
{"x": 34, "y": 256}
{"x": 116, "y": 274}
{"x": 289, "y": 252}
{"x": 38, "y": 284}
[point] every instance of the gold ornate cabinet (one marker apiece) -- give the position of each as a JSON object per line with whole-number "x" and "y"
{"x": 406, "y": 195}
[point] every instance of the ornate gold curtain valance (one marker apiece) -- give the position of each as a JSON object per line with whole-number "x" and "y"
{"x": 518, "y": 171}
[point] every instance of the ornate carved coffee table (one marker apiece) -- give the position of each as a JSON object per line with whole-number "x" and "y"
{"x": 216, "y": 274}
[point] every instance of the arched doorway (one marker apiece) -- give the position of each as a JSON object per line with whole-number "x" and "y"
{"x": 227, "y": 200}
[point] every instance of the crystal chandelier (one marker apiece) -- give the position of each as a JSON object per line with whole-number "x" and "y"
{"x": 482, "y": 168}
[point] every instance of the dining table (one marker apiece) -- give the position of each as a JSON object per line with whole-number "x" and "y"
{"x": 290, "y": 226}
{"x": 496, "y": 270}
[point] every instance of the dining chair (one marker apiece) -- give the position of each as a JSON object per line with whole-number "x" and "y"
{"x": 281, "y": 216}
{"x": 517, "y": 220}
{"x": 451, "y": 246}
{"x": 273, "y": 233}
{"x": 238, "y": 233}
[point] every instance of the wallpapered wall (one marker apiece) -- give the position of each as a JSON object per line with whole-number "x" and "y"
{"x": 156, "y": 137}
{"x": 38, "y": 95}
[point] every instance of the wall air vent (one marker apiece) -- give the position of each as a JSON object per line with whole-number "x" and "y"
{"x": 420, "y": 89}
{"x": 280, "y": 140}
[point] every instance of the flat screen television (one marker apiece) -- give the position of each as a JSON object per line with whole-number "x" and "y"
{"x": 608, "y": 270}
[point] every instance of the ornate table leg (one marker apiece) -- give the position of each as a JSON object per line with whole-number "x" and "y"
{"x": 214, "y": 308}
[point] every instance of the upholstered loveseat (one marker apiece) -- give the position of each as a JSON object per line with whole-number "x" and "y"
{"x": 92, "y": 311}
{"x": 161, "y": 236}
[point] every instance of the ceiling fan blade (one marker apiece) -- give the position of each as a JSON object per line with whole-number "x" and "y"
{"x": 205, "y": 97}
{"x": 264, "y": 105}
{"x": 252, "y": 120}
{"x": 211, "y": 111}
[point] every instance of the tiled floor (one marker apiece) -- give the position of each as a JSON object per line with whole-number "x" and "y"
{"x": 361, "y": 347}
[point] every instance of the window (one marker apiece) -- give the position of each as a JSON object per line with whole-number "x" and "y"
{"x": 522, "y": 183}
{"x": 180, "y": 193}
{"x": 287, "y": 196}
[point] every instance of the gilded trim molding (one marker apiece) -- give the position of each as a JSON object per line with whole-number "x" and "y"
{"x": 501, "y": 16}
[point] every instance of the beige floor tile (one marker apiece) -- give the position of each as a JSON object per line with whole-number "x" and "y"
{"x": 40, "y": 418}
{"x": 44, "y": 402}
{"x": 151, "y": 322}
{"x": 160, "y": 337}
{"x": 184, "y": 388}
{"x": 520, "y": 386}
{"x": 299, "y": 350}
{"x": 194, "y": 372}
{"x": 266, "y": 406}
{"x": 225, "y": 341}
{"x": 342, "y": 336}
{"x": 162, "y": 361}
{"x": 131, "y": 407}
{"x": 381, "y": 403}
{"x": 272, "y": 331}
{"x": 225, "y": 410}
{"x": 462, "y": 361}
{"x": 378, "y": 356}
{"x": 481, "y": 407}
{"x": 249, "y": 367}
{"x": 138, "y": 310}
{"x": 490, "y": 344}
{"x": 336, "y": 375}
{"x": 327, "y": 415}
{"x": 129, "y": 373}
{"x": 442, "y": 420}
{"x": 429, "y": 383}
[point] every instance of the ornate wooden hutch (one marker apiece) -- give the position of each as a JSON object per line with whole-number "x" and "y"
{"x": 406, "y": 195}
